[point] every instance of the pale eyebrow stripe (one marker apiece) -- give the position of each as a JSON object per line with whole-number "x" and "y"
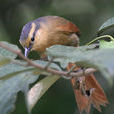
{"x": 36, "y": 29}
{"x": 30, "y": 35}
{"x": 32, "y": 31}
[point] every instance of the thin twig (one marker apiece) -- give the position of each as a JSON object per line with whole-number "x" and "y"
{"x": 50, "y": 70}
{"x": 48, "y": 64}
{"x": 72, "y": 68}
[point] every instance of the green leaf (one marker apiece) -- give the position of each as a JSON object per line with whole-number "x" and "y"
{"x": 101, "y": 59}
{"x": 38, "y": 90}
{"x": 7, "y": 54}
{"x": 107, "y": 28}
{"x": 105, "y": 44}
{"x": 4, "y": 60}
{"x": 15, "y": 78}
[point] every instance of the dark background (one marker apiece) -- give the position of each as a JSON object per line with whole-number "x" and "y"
{"x": 88, "y": 15}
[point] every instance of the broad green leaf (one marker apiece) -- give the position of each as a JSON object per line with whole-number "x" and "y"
{"x": 105, "y": 44}
{"x": 4, "y": 60}
{"x": 101, "y": 59}
{"x": 38, "y": 90}
{"x": 107, "y": 27}
{"x": 15, "y": 78}
{"x": 7, "y": 53}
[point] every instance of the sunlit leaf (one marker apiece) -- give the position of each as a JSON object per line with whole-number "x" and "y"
{"x": 105, "y": 44}
{"x": 38, "y": 90}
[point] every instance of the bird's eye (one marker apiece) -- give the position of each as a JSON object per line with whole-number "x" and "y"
{"x": 32, "y": 39}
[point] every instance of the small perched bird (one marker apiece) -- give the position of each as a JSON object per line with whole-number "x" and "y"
{"x": 46, "y": 31}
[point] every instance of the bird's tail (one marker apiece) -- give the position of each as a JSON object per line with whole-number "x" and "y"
{"x": 88, "y": 92}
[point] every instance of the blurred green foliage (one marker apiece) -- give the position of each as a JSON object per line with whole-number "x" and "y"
{"x": 88, "y": 15}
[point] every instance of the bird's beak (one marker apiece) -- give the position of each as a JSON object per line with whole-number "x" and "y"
{"x": 27, "y": 50}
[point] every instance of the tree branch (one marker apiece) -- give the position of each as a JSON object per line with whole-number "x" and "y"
{"x": 50, "y": 70}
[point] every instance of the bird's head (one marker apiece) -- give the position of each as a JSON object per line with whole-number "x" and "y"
{"x": 28, "y": 36}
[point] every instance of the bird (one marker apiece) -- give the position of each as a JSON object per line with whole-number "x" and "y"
{"x": 47, "y": 31}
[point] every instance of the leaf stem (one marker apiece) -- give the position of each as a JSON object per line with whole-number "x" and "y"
{"x": 100, "y": 37}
